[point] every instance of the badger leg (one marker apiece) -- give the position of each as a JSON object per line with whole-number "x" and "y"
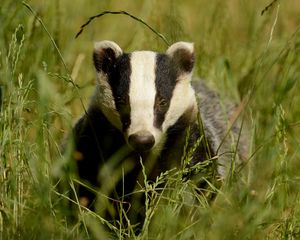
{"x": 87, "y": 154}
{"x": 96, "y": 140}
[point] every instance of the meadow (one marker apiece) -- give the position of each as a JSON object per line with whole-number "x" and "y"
{"x": 247, "y": 51}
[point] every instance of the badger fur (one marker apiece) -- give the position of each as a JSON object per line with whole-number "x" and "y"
{"x": 142, "y": 107}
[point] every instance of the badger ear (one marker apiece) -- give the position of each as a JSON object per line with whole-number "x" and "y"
{"x": 105, "y": 54}
{"x": 182, "y": 53}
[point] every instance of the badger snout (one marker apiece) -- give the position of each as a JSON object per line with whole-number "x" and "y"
{"x": 141, "y": 141}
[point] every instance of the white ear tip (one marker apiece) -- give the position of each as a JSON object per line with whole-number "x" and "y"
{"x": 181, "y": 45}
{"x": 108, "y": 44}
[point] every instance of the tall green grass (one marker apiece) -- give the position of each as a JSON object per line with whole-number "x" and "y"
{"x": 46, "y": 78}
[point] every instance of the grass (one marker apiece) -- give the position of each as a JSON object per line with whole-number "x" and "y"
{"x": 46, "y": 78}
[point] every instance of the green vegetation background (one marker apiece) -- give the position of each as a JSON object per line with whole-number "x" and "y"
{"x": 47, "y": 76}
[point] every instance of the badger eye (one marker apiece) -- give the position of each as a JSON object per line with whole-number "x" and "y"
{"x": 163, "y": 102}
{"x": 126, "y": 124}
{"x": 120, "y": 100}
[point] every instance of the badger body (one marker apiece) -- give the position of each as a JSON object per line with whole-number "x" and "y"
{"x": 143, "y": 109}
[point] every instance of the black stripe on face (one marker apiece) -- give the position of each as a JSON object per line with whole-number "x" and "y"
{"x": 165, "y": 81}
{"x": 119, "y": 80}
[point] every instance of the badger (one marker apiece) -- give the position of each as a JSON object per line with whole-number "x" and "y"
{"x": 144, "y": 113}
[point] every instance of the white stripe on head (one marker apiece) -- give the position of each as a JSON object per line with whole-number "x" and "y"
{"x": 142, "y": 93}
{"x": 183, "y": 98}
{"x": 182, "y": 53}
{"x": 105, "y": 53}
{"x": 103, "y": 99}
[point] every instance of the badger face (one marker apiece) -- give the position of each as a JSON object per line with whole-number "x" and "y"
{"x": 144, "y": 93}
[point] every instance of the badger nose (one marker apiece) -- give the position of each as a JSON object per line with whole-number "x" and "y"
{"x": 141, "y": 141}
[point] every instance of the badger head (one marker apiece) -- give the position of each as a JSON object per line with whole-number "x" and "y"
{"x": 145, "y": 93}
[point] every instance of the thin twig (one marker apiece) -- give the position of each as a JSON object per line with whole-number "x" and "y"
{"x": 127, "y": 14}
